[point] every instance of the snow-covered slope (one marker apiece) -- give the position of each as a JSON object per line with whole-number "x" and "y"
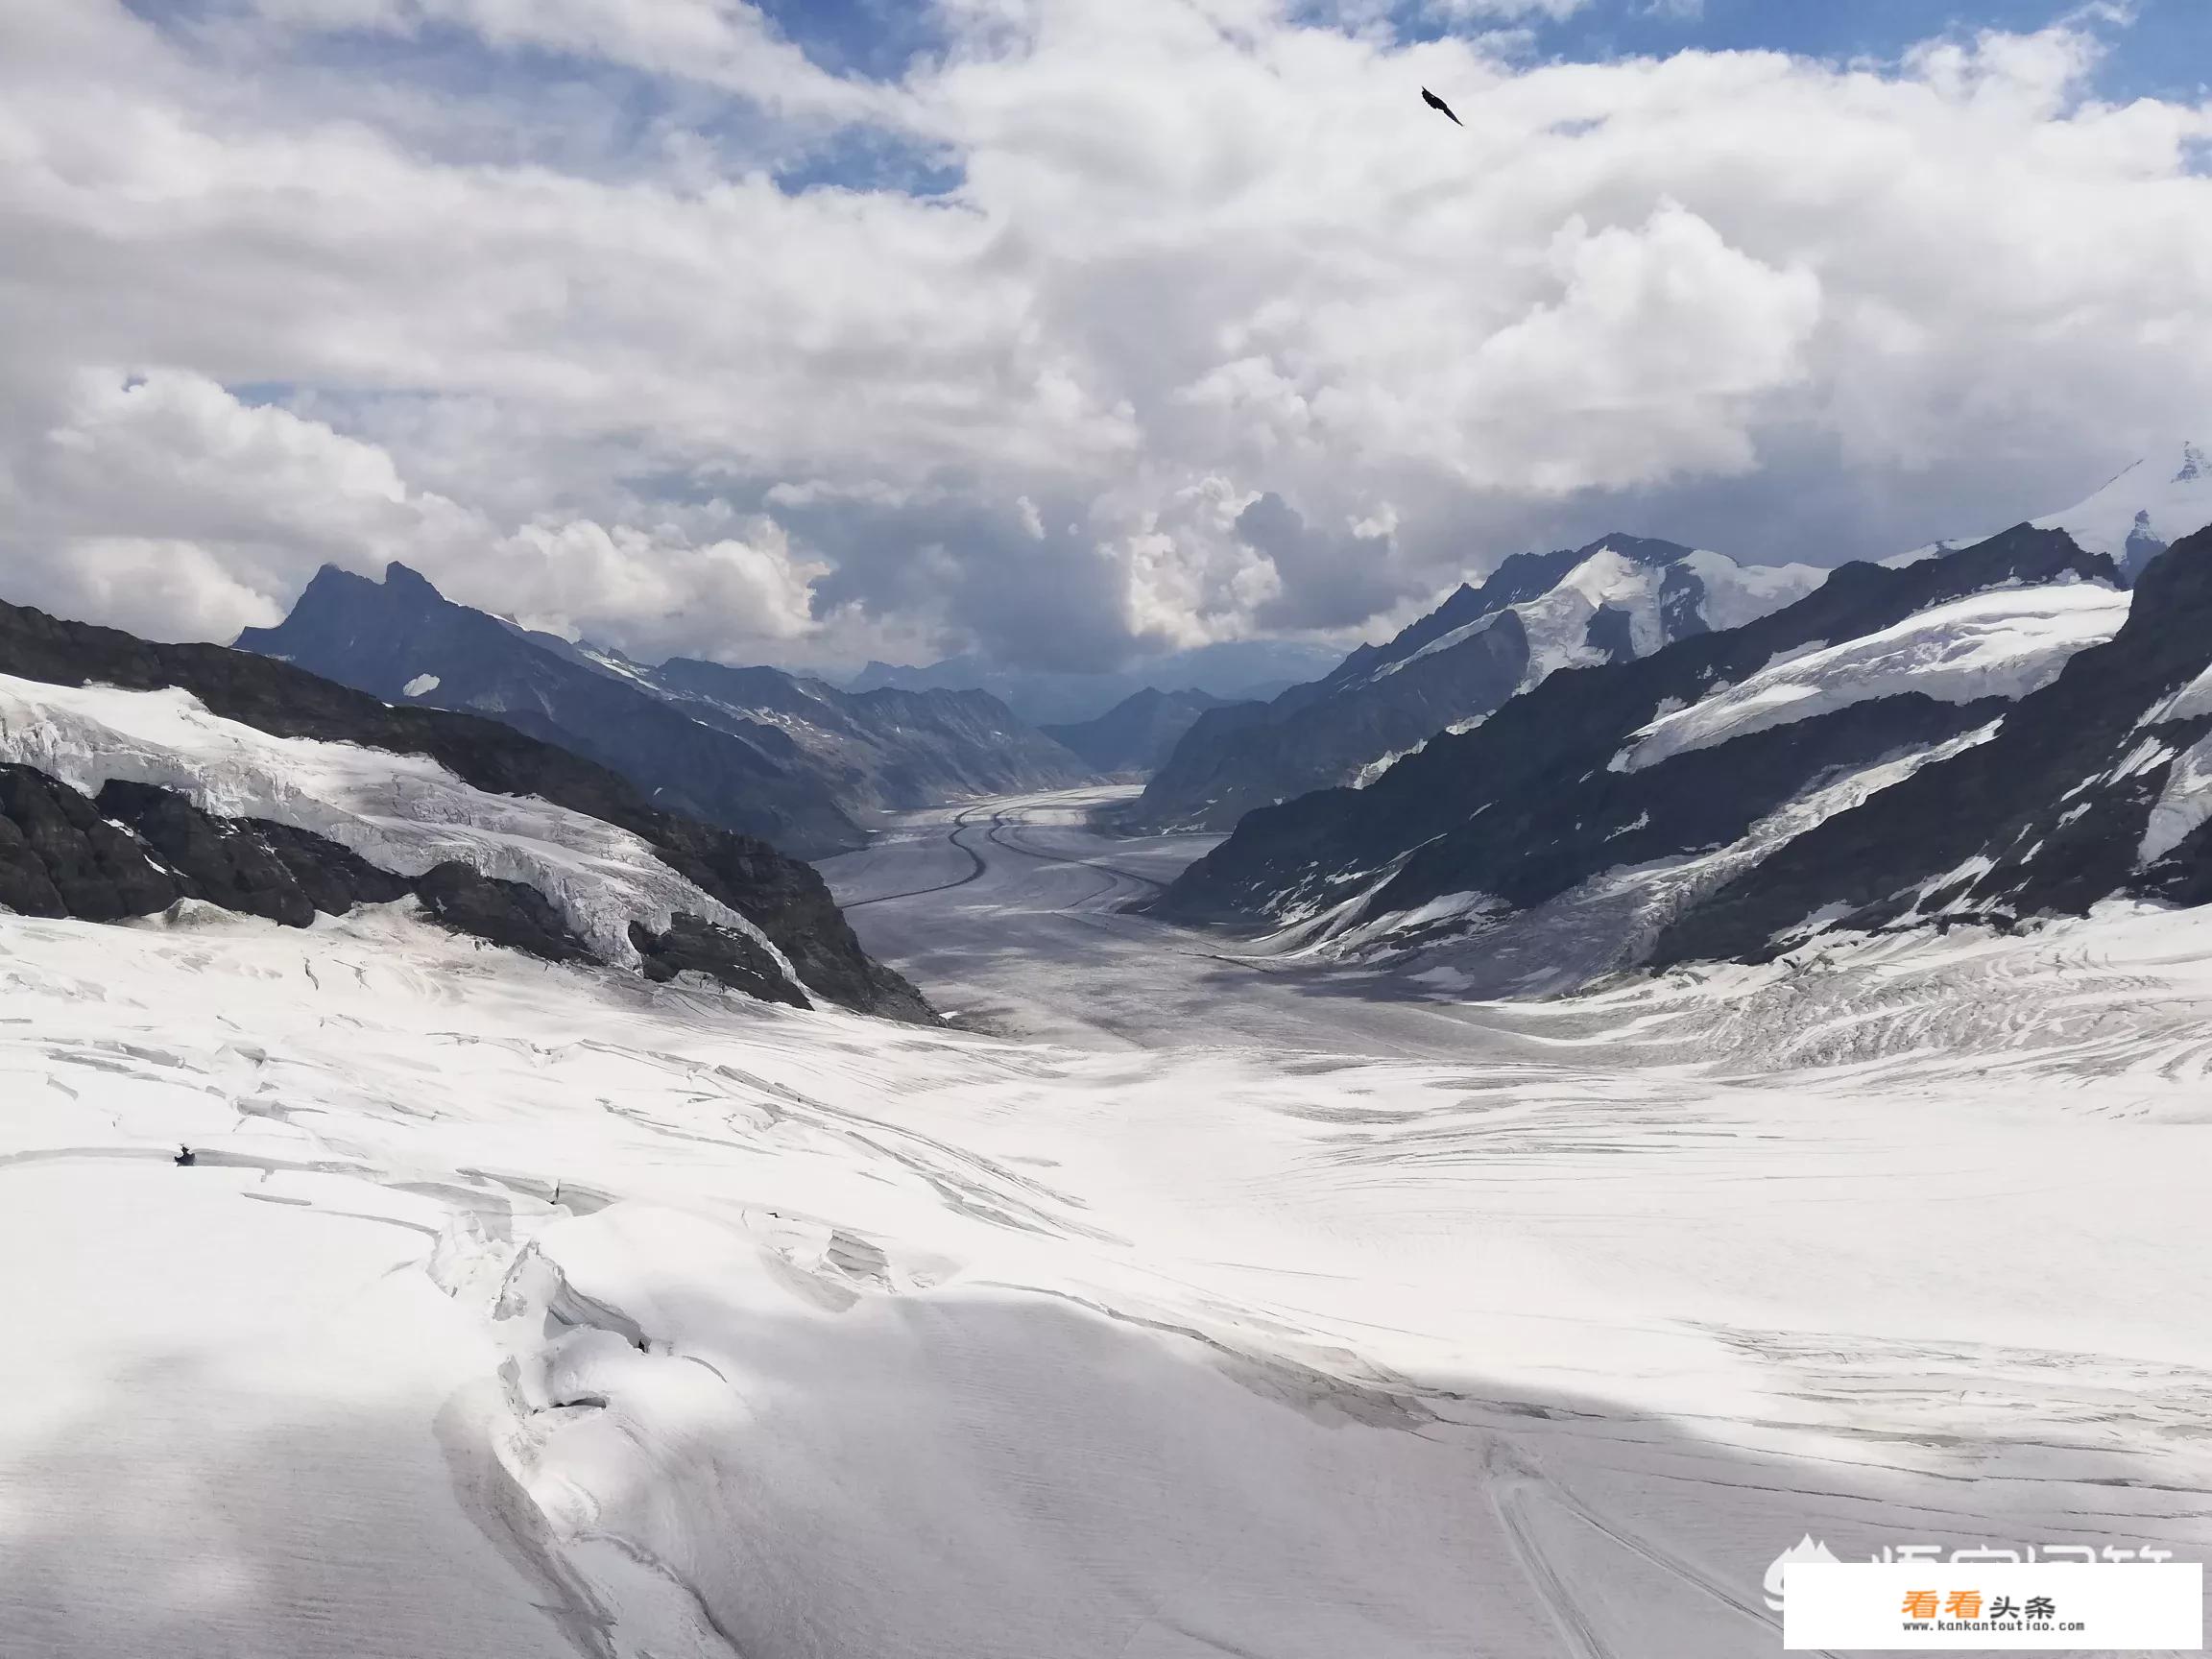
{"x": 401, "y": 812}
{"x": 1618, "y": 598}
{"x": 2143, "y": 512}
{"x": 2003, "y": 645}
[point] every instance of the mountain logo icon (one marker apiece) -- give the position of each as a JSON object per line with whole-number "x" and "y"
{"x": 1806, "y": 1548}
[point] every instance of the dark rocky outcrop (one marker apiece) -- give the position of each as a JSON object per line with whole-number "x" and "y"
{"x": 138, "y": 850}
{"x": 790, "y": 903}
{"x": 1138, "y": 733}
{"x": 692, "y": 946}
{"x": 507, "y": 913}
{"x": 1527, "y": 803}
{"x": 60, "y": 856}
{"x": 786, "y": 899}
{"x": 247, "y": 865}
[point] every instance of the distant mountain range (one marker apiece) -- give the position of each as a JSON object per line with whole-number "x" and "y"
{"x": 1139, "y": 733}
{"x": 753, "y": 750}
{"x": 1231, "y": 669}
{"x": 138, "y": 777}
{"x": 1989, "y": 733}
{"x": 1618, "y": 598}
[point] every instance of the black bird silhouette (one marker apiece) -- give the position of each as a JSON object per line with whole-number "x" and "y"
{"x": 1435, "y": 103}
{"x": 185, "y": 1156}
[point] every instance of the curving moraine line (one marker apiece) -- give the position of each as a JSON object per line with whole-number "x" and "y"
{"x": 974, "y": 860}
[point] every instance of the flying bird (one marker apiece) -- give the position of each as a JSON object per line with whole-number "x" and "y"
{"x": 1435, "y": 103}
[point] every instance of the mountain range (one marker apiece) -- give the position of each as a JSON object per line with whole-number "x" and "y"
{"x": 1985, "y": 733}
{"x": 795, "y": 762}
{"x": 138, "y": 777}
{"x": 1617, "y": 598}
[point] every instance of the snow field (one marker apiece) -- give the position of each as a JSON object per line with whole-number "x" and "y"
{"x": 622, "y": 1319}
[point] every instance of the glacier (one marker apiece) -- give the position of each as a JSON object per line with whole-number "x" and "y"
{"x": 509, "y": 1309}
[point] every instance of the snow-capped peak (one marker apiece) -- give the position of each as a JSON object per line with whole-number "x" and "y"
{"x": 2143, "y": 512}
{"x": 2131, "y": 520}
{"x": 1639, "y": 583}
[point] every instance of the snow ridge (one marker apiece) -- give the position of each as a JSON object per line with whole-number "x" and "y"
{"x": 2002, "y": 644}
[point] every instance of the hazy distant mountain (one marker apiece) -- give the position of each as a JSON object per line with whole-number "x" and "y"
{"x": 888, "y": 749}
{"x": 1617, "y": 598}
{"x": 1231, "y": 669}
{"x": 1138, "y": 733}
{"x": 752, "y": 749}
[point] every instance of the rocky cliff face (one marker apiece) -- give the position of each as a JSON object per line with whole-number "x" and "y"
{"x": 1621, "y": 597}
{"x": 132, "y": 848}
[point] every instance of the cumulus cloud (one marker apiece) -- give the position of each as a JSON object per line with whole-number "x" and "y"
{"x": 728, "y": 43}
{"x": 1213, "y": 330}
{"x": 164, "y": 504}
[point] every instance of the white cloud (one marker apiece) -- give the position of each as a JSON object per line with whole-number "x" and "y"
{"x": 1198, "y": 254}
{"x": 728, "y": 43}
{"x": 164, "y": 504}
{"x": 1500, "y": 11}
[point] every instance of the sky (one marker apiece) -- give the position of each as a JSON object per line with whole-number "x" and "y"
{"x": 1067, "y": 331}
